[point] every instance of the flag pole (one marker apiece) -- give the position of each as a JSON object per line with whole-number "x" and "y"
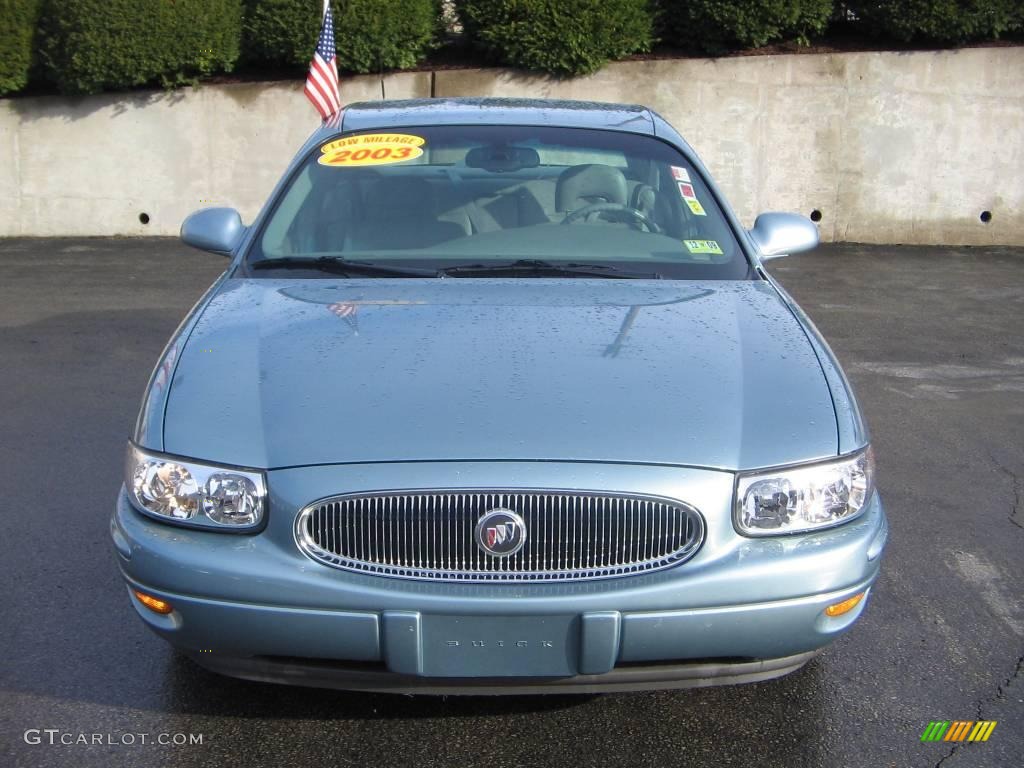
{"x": 321, "y": 87}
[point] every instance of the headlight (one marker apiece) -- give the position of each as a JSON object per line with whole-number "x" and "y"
{"x": 193, "y": 494}
{"x": 804, "y": 498}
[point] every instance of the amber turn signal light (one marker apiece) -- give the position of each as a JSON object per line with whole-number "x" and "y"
{"x": 154, "y": 604}
{"x": 838, "y": 609}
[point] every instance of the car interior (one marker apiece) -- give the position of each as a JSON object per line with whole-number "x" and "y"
{"x": 416, "y": 207}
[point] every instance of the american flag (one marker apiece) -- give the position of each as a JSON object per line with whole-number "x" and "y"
{"x": 322, "y": 80}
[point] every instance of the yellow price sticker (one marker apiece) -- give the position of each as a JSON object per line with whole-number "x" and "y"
{"x": 371, "y": 149}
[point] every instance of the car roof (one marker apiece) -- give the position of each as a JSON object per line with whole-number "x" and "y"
{"x": 371, "y": 115}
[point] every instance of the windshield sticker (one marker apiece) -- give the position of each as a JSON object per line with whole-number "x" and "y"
{"x": 686, "y": 190}
{"x": 703, "y": 246}
{"x": 680, "y": 174}
{"x": 371, "y": 149}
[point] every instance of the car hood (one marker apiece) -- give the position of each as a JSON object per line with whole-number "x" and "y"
{"x": 280, "y": 373}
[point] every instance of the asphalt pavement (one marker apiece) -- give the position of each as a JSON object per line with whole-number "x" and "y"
{"x": 933, "y": 339}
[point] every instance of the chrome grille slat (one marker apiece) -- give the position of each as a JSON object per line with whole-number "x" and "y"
{"x": 431, "y": 534}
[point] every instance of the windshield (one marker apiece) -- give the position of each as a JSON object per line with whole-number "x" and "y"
{"x": 472, "y": 199}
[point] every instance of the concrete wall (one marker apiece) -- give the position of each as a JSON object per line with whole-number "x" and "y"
{"x": 889, "y": 147}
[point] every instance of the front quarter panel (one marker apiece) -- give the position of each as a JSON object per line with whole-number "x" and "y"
{"x": 850, "y": 425}
{"x": 149, "y": 428}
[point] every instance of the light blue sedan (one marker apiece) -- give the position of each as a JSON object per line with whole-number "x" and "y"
{"x": 495, "y": 396}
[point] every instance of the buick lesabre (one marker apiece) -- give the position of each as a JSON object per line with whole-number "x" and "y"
{"x": 496, "y": 396}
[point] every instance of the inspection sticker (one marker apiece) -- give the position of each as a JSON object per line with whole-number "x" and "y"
{"x": 686, "y": 190}
{"x": 703, "y": 246}
{"x": 371, "y": 149}
{"x": 679, "y": 174}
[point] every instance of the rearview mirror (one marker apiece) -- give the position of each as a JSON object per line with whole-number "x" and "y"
{"x": 502, "y": 159}
{"x": 780, "y": 234}
{"x": 218, "y": 230}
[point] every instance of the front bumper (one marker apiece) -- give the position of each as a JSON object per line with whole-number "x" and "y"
{"x": 741, "y": 610}
{"x": 634, "y": 677}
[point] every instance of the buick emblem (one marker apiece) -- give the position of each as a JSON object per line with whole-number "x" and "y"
{"x": 500, "y": 532}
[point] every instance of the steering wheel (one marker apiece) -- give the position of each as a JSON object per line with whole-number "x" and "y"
{"x": 617, "y": 208}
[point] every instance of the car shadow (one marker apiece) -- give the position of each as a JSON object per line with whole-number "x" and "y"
{"x": 189, "y": 688}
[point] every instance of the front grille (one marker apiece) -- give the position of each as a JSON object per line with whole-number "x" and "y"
{"x": 431, "y": 534}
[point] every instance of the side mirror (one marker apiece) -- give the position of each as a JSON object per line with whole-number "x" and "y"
{"x": 780, "y": 234}
{"x": 218, "y": 230}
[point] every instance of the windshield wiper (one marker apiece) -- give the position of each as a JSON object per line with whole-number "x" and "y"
{"x": 340, "y": 266}
{"x": 540, "y": 267}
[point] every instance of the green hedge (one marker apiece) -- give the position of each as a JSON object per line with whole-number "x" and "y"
{"x": 563, "y": 37}
{"x": 17, "y": 42}
{"x": 373, "y": 35}
{"x": 715, "y": 26}
{"x": 948, "y": 21}
{"x": 85, "y": 46}
{"x": 93, "y": 45}
{"x": 280, "y": 32}
{"x": 370, "y": 35}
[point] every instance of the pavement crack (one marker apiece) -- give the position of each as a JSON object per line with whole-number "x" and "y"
{"x": 948, "y": 755}
{"x": 1016, "y": 513}
{"x": 979, "y": 706}
{"x": 1003, "y": 686}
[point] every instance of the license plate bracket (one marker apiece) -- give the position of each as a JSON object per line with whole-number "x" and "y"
{"x": 499, "y": 646}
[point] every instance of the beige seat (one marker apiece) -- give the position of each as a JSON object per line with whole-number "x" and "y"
{"x": 584, "y": 185}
